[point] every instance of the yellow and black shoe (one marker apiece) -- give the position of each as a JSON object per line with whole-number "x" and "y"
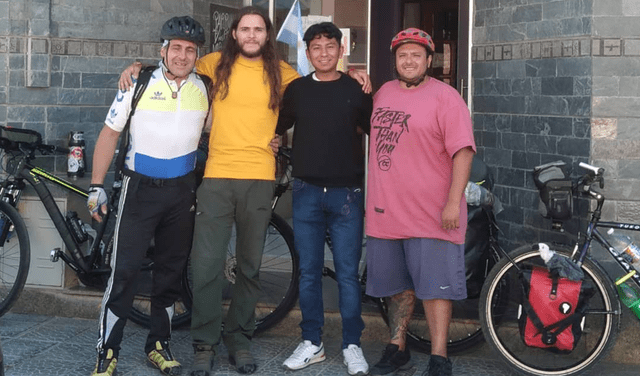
{"x": 106, "y": 364}
{"x": 162, "y": 358}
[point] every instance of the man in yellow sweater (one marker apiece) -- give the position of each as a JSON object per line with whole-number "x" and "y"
{"x": 238, "y": 185}
{"x": 248, "y": 82}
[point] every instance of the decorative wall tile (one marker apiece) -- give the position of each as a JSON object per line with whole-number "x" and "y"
{"x": 105, "y": 49}
{"x": 89, "y": 48}
{"x": 612, "y": 47}
{"x": 119, "y": 49}
{"x": 481, "y": 53}
{"x": 596, "y": 47}
{"x": 632, "y": 47}
{"x": 556, "y": 48}
{"x": 546, "y": 49}
{"x": 58, "y": 47}
{"x": 39, "y": 46}
{"x": 16, "y": 45}
{"x": 536, "y": 50}
{"x": 74, "y": 48}
{"x": 134, "y": 49}
{"x": 488, "y": 53}
{"x": 567, "y": 48}
{"x": 585, "y": 47}
{"x": 506, "y": 52}
{"x": 497, "y": 53}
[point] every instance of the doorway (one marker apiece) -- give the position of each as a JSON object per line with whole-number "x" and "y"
{"x": 446, "y": 21}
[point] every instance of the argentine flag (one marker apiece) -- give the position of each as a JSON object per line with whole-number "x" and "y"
{"x": 291, "y": 34}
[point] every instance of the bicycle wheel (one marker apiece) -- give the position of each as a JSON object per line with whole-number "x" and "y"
{"x": 15, "y": 256}
{"x": 499, "y": 318}
{"x": 279, "y": 275}
{"x": 141, "y": 309}
{"x": 464, "y": 330}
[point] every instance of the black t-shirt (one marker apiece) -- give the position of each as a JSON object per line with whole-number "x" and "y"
{"x": 327, "y": 149}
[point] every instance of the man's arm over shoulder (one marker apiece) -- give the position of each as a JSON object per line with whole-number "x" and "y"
{"x": 287, "y": 115}
{"x": 287, "y": 73}
{"x": 207, "y": 64}
{"x": 364, "y": 102}
{"x": 365, "y": 112}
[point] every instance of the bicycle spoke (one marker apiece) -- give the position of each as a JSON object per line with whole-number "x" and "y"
{"x": 500, "y": 318}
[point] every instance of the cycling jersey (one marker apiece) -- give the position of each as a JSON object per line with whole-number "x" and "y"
{"x": 160, "y": 119}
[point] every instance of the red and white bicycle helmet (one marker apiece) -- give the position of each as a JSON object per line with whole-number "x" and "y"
{"x": 413, "y": 35}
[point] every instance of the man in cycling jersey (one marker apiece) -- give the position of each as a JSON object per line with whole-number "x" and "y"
{"x": 158, "y": 193}
{"x": 327, "y": 107}
{"x": 421, "y": 151}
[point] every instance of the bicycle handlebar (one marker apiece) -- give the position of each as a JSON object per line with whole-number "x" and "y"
{"x": 594, "y": 174}
{"x": 9, "y": 145}
{"x": 550, "y": 164}
{"x": 596, "y": 170}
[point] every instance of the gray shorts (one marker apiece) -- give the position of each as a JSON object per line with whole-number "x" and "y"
{"x": 433, "y": 268}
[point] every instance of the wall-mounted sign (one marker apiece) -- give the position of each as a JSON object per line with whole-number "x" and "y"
{"x": 221, "y": 18}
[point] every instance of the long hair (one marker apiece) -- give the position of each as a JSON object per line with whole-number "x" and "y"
{"x": 270, "y": 60}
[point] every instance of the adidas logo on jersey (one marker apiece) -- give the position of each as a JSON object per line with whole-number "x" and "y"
{"x": 157, "y": 96}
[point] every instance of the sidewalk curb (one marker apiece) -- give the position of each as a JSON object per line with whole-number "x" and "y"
{"x": 85, "y": 303}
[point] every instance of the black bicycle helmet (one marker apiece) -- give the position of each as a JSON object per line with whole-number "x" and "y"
{"x": 183, "y": 28}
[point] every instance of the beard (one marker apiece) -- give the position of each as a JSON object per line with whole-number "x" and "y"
{"x": 252, "y": 54}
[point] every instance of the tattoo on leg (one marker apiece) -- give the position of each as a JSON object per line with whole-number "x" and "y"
{"x": 400, "y": 312}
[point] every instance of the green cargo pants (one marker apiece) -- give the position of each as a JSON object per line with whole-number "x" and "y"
{"x": 221, "y": 204}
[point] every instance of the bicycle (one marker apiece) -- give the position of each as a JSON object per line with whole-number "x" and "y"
{"x": 89, "y": 254}
{"x": 279, "y": 271}
{"x": 280, "y": 276}
{"x": 89, "y": 250}
{"x": 499, "y": 316}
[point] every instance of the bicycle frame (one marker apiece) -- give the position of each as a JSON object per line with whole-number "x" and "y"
{"x": 593, "y": 232}
{"x": 11, "y": 190}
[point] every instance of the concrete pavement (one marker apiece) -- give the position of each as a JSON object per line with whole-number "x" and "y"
{"x": 36, "y": 344}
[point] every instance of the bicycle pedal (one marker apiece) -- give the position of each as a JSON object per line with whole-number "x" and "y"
{"x": 54, "y": 255}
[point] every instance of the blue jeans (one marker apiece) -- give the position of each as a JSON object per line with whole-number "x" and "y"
{"x": 338, "y": 210}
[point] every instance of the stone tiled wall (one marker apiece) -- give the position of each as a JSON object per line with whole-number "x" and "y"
{"x": 532, "y": 71}
{"x": 557, "y": 80}
{"x": 616, "y": 106}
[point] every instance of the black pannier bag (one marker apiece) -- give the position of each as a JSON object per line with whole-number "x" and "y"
{"x": 556, "y": 193}
{"x": 552, "y": 311}
{"x": 477, "y": 258}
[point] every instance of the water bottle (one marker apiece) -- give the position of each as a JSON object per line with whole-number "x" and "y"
{"x": 75, "y": 159}
{"x": 629, "y": 294}
{"x": 625, "y": 247}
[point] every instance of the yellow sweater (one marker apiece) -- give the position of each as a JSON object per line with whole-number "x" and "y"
{"x": 243, "y": 124}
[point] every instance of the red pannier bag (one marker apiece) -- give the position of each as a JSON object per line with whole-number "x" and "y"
{"x": 552, "y": 311}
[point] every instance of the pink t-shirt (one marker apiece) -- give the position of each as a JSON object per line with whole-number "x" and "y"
{"x": 414, "y": 135}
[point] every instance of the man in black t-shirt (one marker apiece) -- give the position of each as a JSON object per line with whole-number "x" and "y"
{"x": 327, "y": 108}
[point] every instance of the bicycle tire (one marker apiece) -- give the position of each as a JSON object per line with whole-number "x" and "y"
{"x": 500, "y": 319}
{"x": 465, "y": 330}
{"x": 279, "y": 275}
{"x": 15, "y": 256}
{"x": 141, "y": 310}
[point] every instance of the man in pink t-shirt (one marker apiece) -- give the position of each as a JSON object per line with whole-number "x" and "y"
{"x": 419, "y": 162}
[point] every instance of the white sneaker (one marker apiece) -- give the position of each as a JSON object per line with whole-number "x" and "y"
{"x": 355, "y": 361}
{"x": 305, "y": 354}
